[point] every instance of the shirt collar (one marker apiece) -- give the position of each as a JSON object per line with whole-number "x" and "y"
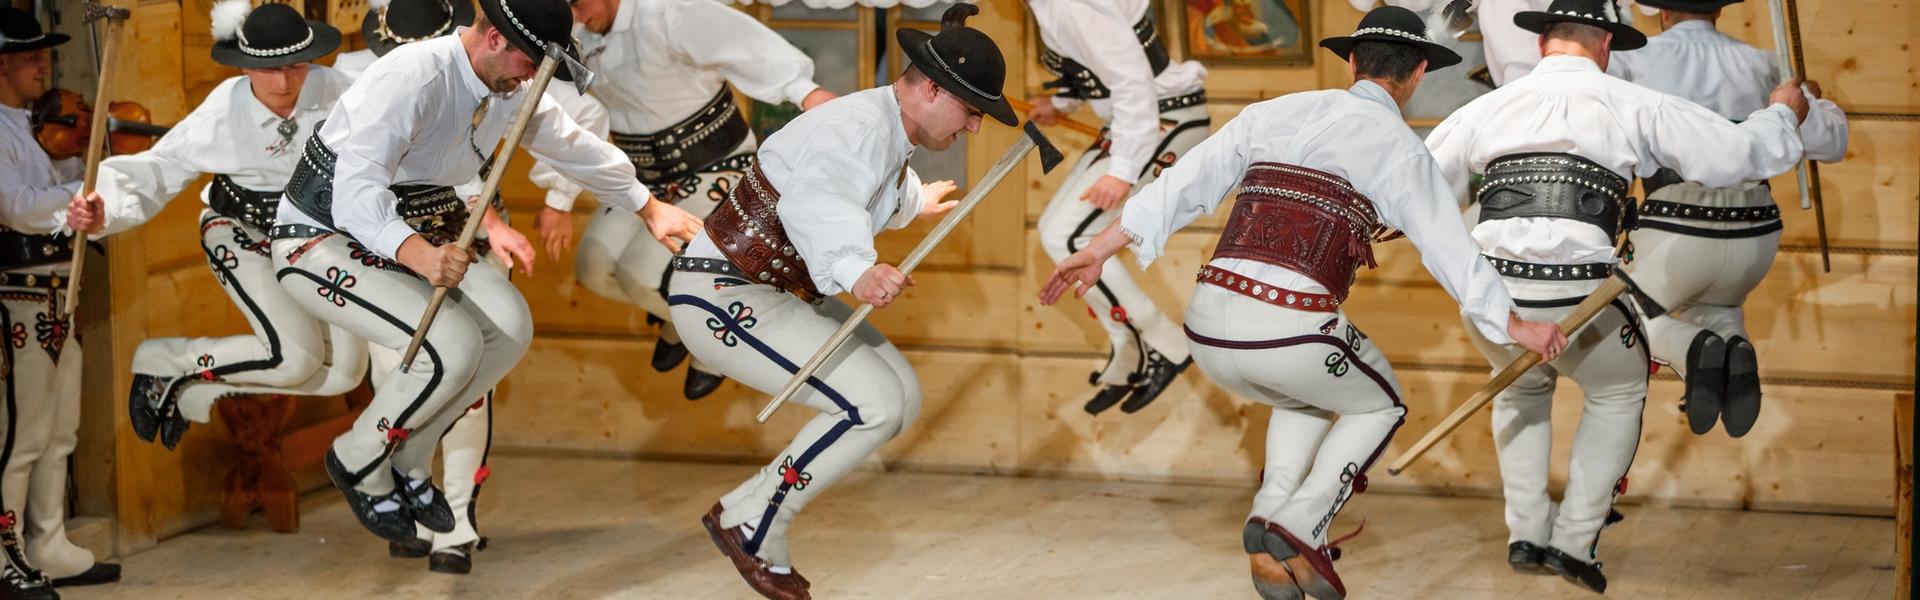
{"x": 624, "y": 19}
{"x": 467, "y": 75}
{"x": 1372, "y": 91}
{"x": 1561, "y": 63}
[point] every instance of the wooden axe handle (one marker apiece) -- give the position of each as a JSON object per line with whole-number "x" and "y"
{"x": 1570, "y": 324}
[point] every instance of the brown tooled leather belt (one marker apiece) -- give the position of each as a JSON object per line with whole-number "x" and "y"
{"x": 747, "y": 229}
{"x": 1268, "y": 293}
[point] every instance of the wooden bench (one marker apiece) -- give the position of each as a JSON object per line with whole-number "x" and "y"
{"x": 266, "y": 454}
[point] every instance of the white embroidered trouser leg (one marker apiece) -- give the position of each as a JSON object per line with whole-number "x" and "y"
{"x": 1608, "y": 360}
{"x": 1335, "y": 400}
{"x": 43, "y": 424}
{"x": 289, "y": 351}
{"x": 865, "y": 395}
{"x": 480, "y": 333}
{"x": 463, "y": 458}
{"x": 644, "y": 265}
{"x": 1128, "y": 315}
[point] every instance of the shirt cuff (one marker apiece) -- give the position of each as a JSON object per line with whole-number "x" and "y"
{"x": 561, "y": 201}
{"x": 797, "y": 91}
{"x": 1491, "y": 321}
{"x": 848, "y": 270}
{"x": 387, "y": 241}
{"x": 635, "y": 199}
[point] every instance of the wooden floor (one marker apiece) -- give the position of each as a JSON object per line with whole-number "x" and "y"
{"x": 589, "y": 528}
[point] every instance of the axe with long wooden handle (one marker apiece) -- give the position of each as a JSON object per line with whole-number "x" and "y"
{"x": 1070, "y": 123}
{"x": 1570, "y": 325}
{"x": 96, "y": 137}
{"x": 1786, "y": 46}
{"x": 556, "y": 55}
{"x": 1049, "y": 158}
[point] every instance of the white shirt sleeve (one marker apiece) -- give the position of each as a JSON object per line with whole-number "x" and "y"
{"x": 1193, "y": 187}
{"x": 379, "y": 133}
{"x": 136, "y": 187}
{"x": 588, "y": 113}
{"x": 749, "y": 54}
{"x": 1824, "y": 133}
{"x": 588, "y": 159}
{"x": 29, "y": 208}
{"x": 1113, "y": 54}
{"x": 823, "y": 206}
{"x": 1450, "y": 144}
{"x": 1421, "y": 206}
{"x": 1707, "y": 149}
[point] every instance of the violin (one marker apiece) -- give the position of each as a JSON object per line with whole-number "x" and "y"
{"x": 63, "y": 122}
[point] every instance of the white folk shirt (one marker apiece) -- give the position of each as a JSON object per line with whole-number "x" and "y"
{"x": 841, "y": 173}
{"x": 696, "y": 45}
{"x": 1357, "y": 134}
{"x": 231, "y": 133}
{"x": 1567, "y": 105}
{"x": 34, "y": 189}
{"x": 1693, "y": 60}
{"x": 409, "y": 120}
{"x": 1098, "y": 34}
{"x": 352, "y": 64}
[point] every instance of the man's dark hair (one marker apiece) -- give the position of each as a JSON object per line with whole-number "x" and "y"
{"x": 1386, "y": 60}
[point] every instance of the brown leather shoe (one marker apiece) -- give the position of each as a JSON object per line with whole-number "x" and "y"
{"x": 1312, "y": 568}
{"x": 755, "y": 571}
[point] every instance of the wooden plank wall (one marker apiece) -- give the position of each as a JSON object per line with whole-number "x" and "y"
{"x": 1004, "y": 377}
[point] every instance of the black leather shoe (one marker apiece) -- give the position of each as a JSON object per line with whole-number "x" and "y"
{"x": 1743, "y": 388}
{"x": 99, "y": 573}
{"x": 1584, "y": 574}
{"x": 172, "y": 427}
{"x": 143, "y": 401}
{"x": 667, "y": 355}
{"x": 457, "y": 560}
{"x": 1160, "y": 373}
{"x": 701, "y": 384}
{"x": 426, "y": 502}
{"x": 1108, "y": 396}
{"x": 391, "y": 525}
{"x": 1527, "y": 559}
{"x": 1706, "y": 381}
{"x": 14, "y": 586}
{"x": 415, "y": 548}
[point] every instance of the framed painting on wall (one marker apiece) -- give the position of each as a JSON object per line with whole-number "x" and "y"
{"x": 1255, "y": 32}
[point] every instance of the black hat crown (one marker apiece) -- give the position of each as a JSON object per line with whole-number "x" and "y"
{"x": 532, "y": 24}
{"x": 273, "y": 35}
{"x": 1604, "y": 14}
{"x": 962, "y": 60}
{"x": 1394, "y": 25}
{"x": 389, "y": 25}
{"x": 21, "y": 32}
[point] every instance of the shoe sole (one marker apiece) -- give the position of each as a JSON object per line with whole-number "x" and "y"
{"x": 448, "y": 569}
{"x": 1743, "y": 389}
{"x": 1100, "y": 404}
{"x": 1310, "y": 581}
{"x": 1706, "y": 393}
{"x": 1271, "y": 579}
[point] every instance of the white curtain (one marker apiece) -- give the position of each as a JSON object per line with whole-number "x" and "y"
{"x": 837, "y": 4}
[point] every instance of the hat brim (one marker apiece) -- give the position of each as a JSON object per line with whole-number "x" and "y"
{"x": 326, "y": 39}
{"x": 46, "y": 41}
{"x": 1625, "y": 37}
{"x": 915, "y": 44}
{"x": 1697, "y": 6}
{"x": 380, "y": 45}
{"x": 1438, "y": 56}
{"x": 534, "y": 48}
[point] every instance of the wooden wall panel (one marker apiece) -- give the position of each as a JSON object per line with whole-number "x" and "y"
{"x": 1872, "y": 198}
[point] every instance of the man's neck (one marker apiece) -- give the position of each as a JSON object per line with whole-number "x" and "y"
{"x": 900, "y": 89}
{"x": 1670, "y": 19}
{"x": 1399, "y": 93}
{"x": 1555, "y": 47}
{"x": 474, "y": 41}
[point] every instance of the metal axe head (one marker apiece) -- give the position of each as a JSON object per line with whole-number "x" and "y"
{"x": 1050, "y": 156}
{"x": 1459, "y": 16}
{"x": 582, "y": 77}
{"x": 96, "y": 11}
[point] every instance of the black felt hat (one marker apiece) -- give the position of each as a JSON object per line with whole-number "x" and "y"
{"x": 962, "y": 61}
{"x": 1605, "y": 14}
{"x": 390, "y": 24}
{"x": 20, "y": 32}
{"x": 1394, "y": 25}
{"x": 532, "y": 24}
{"x": 273, "y": 35}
